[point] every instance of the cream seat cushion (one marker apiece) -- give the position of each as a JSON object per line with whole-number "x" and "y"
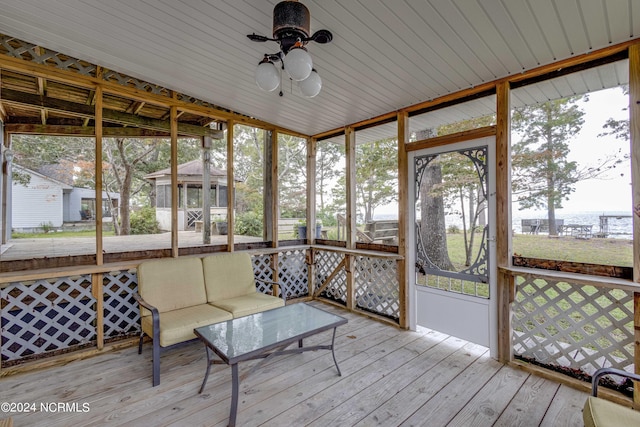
{"x": 249, "y": 304}
{"x": 171, "y": 284}
{"x": 228, "y": 275}
{"x": 599, "y": 412}
{"x": 178, "y": 325}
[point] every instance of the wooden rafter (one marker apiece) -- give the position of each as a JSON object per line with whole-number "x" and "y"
{"x": 109, "y": 87}
{"x": 35, "y": 101}
{"x": 61, "y": 130}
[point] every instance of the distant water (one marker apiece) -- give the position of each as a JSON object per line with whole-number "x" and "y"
{"x": 620, "y": 223}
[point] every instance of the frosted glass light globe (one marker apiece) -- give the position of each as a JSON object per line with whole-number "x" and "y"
{"x": 298, "y": 64}
{"x": 311, "y": 86}
{"x": 267, "y": 76}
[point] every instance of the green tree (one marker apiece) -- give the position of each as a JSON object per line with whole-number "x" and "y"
{"x": 292, "y": 176}
{"x": 542, "y": 175}
{"x": 327, "y": 171}
{"x": 376, "y": 175}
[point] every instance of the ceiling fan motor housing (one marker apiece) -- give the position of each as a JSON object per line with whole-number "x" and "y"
{"x": 291, "y": 20}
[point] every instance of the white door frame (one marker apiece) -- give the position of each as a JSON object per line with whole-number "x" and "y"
{"x": 474, "y": 307}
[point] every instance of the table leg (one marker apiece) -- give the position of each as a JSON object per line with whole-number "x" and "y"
{"x": 206, "y": 375}
{"x": 333, "y": 340}
{"x": 300, "y": 344}
{"x": 235, "y": 385}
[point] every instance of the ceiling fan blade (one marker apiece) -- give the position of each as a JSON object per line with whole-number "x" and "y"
{"x": 322, "y": 36}
{"x": 258, "y": 38}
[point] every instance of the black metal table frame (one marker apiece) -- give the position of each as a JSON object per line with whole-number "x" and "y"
{"x": 265, "y": 353}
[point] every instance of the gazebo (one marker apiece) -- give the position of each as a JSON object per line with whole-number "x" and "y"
{"x": 190, "y": 187}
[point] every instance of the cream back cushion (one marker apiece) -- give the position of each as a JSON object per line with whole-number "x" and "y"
{"x": 228, "y": 275}
{"x": 171, "y": 283}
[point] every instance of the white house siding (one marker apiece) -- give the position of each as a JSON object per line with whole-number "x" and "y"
{"x": 38, "y": 202}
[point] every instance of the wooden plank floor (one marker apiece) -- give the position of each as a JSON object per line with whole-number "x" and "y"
{"x": 389, "y": 378}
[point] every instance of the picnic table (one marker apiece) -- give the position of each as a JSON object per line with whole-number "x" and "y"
{"x": 579, "y": 231}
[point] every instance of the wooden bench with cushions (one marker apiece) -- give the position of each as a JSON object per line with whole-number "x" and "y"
{"x": 599, "y": 412}
{"x": 177, "y": 295}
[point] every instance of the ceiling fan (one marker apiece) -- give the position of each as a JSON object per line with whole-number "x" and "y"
{"x": 291, "y": 22}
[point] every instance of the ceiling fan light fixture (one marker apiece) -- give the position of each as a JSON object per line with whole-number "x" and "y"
{"x": 298, "y": 63}
{"x": 267, "y": 76}
{"x": 311, "y": 86}
{"x": 291, "y": 29}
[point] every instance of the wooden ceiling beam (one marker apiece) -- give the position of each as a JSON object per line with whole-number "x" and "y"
{"x": 3, "y": 112}
{"x": 135, "y": 107}
{"x": 10, "y": 96}
{"x": 61, "y": 130}
{"x": 89, "y": 82}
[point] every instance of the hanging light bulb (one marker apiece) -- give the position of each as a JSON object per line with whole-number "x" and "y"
{"x": 267, "y": 75}
{"x": 311, "y": 86}
{"x": 298, "y": 63}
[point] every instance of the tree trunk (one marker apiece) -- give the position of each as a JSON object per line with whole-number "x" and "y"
{"x": 432, "y": 223}
{"x": 125, "y": 196}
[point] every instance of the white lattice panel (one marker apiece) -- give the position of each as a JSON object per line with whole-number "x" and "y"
{"x": 46, "y": 315}
{"x": 30, "y": 52}
{"x": 129, "y": 81}
{"x": 377, "y": 286}
{"x": 326, "y": 263}
{"x": 293, "y": 272}
{"x": 575, "y": 326}
{"x": 121, "y": 311}
{"x": 263, "y": 271}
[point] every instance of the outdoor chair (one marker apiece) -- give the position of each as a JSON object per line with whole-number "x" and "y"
{"x": 603, "y": 413}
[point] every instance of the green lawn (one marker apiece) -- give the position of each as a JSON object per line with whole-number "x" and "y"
{"x": 59, "y": 234}
{"x": 617, "y": 252}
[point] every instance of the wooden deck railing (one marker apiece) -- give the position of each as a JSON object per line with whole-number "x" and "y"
{"x": 49, "y": 313}
{"x": 574, "y": 324}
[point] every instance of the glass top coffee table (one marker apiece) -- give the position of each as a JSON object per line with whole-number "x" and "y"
{"x": 263, "y": 336}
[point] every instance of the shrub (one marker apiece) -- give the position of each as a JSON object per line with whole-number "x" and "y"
{"x": 46, "y": 226}
{"x": 144, "y": 221}
{"x": 453, "y": 229}
{"x": 249, "y": 224}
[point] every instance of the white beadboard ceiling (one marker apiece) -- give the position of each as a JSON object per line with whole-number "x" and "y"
{"x": 386, "y": 54}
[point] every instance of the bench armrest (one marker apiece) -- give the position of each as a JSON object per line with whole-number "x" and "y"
{"x": 279, "y": 284}
{"x": 609, "y": 371}
{"x": 155, "y": 315}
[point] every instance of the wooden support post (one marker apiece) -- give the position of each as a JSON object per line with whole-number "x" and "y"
{"x": 270, "y": 195}
{"x": 403, "y": 224}
{"x": 505, "y": 282}
{"x": 349, "y": 261}
{"x": 350, "y": 152}
{"x": 173, "y": 118}
{"x": 275, "y": 193}
{"x": 6, "y": 189}
{"x": 98, "y": 177}
{"x": 276, "y": 274}
{"x": 634, "y": 128}
{"x": 231, "y": 188}
{"x": 206, "y": 190}
{"x": 311, "y": 189}
{"x": 636, "y": 355}
{"x": 98, "y": 294}
{"x": 311, "y": 211}
{"x": 310, "y": 259}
